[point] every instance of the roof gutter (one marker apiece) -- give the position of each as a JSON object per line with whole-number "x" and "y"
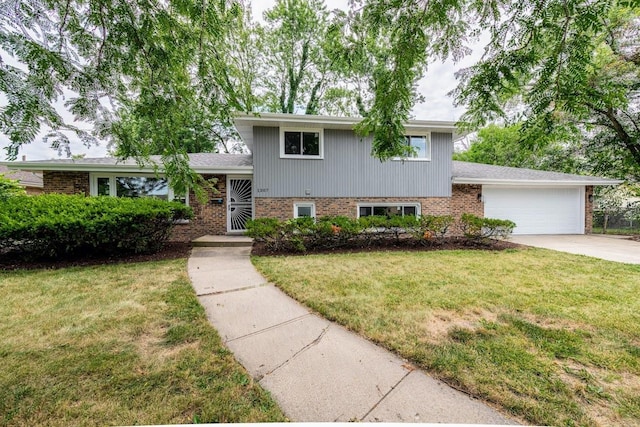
{"x": 84, "y": 167}
{"x": 534, "y": 183}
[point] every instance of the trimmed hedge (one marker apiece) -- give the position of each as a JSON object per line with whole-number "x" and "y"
{"x": 55, "y": 225}
{"x": 303, "y": 234}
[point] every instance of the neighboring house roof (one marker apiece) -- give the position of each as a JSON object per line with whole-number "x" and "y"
{"x": 200, "y": 162}
{"x": 26, "y": 179}
{"x": 476, "y": 173}
{"x": 245, "y": 122}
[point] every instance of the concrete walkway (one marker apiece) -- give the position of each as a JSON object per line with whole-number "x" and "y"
{"x": 608, "y": 247}
{"x": 316, "y": 370}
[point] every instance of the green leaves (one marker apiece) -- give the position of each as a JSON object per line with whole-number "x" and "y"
{"x": 9, "y": 188}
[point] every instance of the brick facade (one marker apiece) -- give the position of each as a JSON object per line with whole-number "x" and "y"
{"x": 464, "y": 200}
{"x": 66, "y": 182}
{"x": 588, "y": 210}
{"x": 209, "y": 217}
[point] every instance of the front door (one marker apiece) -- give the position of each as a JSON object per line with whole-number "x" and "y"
{"x": 239, "y": 203}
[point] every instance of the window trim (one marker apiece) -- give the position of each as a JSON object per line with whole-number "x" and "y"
{"x": 416, "y": 205}
{"x": 311, "y": 205}
{"x": 94, "y": 176}
{"x": 320, "y": 132}
{"x": 428, "y": 156}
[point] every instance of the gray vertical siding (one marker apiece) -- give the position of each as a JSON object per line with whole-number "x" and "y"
{"x": 348, "y": 170}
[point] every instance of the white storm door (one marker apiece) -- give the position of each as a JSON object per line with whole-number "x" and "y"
{"x": 239, "y": 203}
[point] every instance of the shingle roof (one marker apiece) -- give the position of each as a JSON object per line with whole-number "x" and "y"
{"x": 465, "y": 172}
{"x": 27, "y": 179}
{"x": 198, "y": 161}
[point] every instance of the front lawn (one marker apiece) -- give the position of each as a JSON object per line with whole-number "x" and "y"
{"x": 116, "y": 345}
{"x": 552, "y": 338}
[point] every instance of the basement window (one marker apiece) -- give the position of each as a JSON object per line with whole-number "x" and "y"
{"x": 301, "y": 210}
{"x": 388, "y": 210}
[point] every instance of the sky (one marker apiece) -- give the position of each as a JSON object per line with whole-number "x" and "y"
{"x": 438, "y": 81}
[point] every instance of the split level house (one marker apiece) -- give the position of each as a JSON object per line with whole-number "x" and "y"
{"x": 315, "y": 166}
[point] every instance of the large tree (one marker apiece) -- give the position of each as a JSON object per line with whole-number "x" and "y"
{"x": 505, "y": 146}
{"x": 142, "y": 71}
{"x": 567, "y": 63}
{"x": 564, "y": 63}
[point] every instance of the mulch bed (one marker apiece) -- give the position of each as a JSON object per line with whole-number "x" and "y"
{"x": 171, "y": 250}
{"x": 176, "y": 250}
{"x": 391, "y": 245}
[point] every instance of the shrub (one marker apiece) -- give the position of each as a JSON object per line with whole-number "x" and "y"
{"x": 56, "y": 225}
{"x": 9, "y": 188}
{"x": 479, "y": 229}
{"x": 330, "y": 232}
{"x": 431, "y": 229}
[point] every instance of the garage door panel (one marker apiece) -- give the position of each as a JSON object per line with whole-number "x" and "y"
{"x": 537, "y": 210}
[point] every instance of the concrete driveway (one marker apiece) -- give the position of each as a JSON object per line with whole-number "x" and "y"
{"x": 611, "y": 248}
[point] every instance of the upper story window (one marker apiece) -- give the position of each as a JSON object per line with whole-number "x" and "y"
{"x": 421, "y": 144}
{"x": 124, "y": 185}
{"x": 301, "y": 143}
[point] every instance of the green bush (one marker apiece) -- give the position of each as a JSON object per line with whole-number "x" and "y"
{"x": 55, "y": 225}
{"x": 480, "y": 229}
{"x": 10, "y": 188}
{"x": 330, "y": 232}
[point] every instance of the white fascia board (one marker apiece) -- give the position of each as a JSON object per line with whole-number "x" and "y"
{"x": 244, "y": 123}
{"x": 239, "y": 170}
{"x": 79, "y": 167}
{"x": 75, "y": 167}
{"x": 535, "y": 183}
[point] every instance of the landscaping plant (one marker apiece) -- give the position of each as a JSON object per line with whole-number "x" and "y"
{"x": 55, "y": 225}
{"x": 332, "y": 232}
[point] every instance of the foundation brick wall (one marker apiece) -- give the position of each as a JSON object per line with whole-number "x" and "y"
{"x": 282, "y": 207}
{"x": 464, "y": 200}
{"x": 66, "y": 182}
{"x": 588, "y": 210}
{"x": 208, "y": 218}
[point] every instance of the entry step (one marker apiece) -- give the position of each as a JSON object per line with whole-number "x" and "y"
{"x": 222, "y": 241}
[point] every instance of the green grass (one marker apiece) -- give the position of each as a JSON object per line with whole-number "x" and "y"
{"x": 552, "y": 338}
{"x": 116, "y": 345}
{"x": 618, "y": 231}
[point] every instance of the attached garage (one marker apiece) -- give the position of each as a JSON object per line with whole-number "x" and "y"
{"x": 539, "y": 202}
{"x": 537, "y": 210}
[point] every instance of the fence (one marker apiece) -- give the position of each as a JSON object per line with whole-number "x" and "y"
{"x": 621, "y": 220}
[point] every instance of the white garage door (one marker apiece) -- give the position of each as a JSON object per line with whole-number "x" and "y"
{"x": 549, "y": 210}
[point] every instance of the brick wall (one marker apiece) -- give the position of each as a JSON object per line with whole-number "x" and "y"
{"x": 66, "y": 182}
{"x": 588, "y": 210}
{"x": 282, "y": 207}
{"x": 209, "y": 217}
{"x": 464, "y": 199}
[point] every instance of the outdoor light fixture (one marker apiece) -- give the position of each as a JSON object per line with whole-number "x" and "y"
{"x": 590, "y": 198}
{"x": 479, "y": 197}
